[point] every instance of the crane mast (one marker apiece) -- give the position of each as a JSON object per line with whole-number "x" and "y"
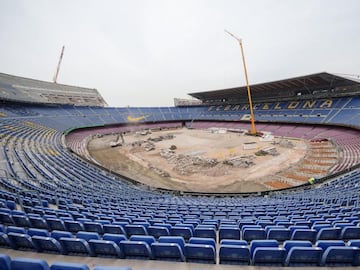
{"x": 58, "y": 65}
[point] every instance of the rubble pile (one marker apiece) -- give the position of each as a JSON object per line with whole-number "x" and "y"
{"x": 240, "y": 161}
{"x": 284, "y": 143}
{"x": 187, "y": 164}
{"x": 267, "y": 151}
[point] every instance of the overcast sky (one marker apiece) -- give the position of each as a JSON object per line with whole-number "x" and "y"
{"x": 145, "y": 53}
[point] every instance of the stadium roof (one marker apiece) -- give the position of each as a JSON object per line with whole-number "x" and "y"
{"x": 283, "y": 88}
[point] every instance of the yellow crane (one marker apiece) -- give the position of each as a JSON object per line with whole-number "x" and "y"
{"x": 253, "y": 130}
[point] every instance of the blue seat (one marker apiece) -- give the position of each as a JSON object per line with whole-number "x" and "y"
{"x": 328, "y": 234}
{"x": 73, "y": 226}
{"x": 279, "y": 234}
{"x": 268, "y": 256}
{"x": 27, "y": 264}
{"x": 149, "y": 239}
{"x": 15, "y": 229}
{"x": 304, "y": 256}
{"x": 135, "y": 230}
{"x": 200, "y": 253}
{"x": 158, "y": 231}
{"x": 354, "y": 243}
{"x": 205, "y": 232}
{"x": 324, "y": 244}
{"x": 68, "y": 266}
{"x": 6, "y": 219}
{"x": 173, "y": 239}
{"x": 38, "y": 222}
{"x": 117, "y": 238}
{"x": 167, "y": 251}
{"x": 340, "y": 256}
{"x": 47, "y": 244}
{"x": 21, "y": 241}
{"x": 250, "y": 234}
{"x": 262, "y": 243}
{"x": 59, "y": 234}
{"x": 93, "y": 227}
{"x": 4, "y": 240}
{"x": 203, "y": 241}
{"x": 233, "y": 242}
{"x": 38, "y": 232}
{"x": 88, "y": 236}
{"x": 21, "y": 221}
{"x": 135, "y": 249}
{"x": 114, "y": 229}
{"x": 304, "y": 234}
{"x": 5, "y": 261}
{"x": 75, "y": 246}
{"x": 184, "y": 232}
{"x": 234, "y": 254}
{"x": 56, "y": 224}
{"x": 350, "y": 232}
{"x": 289, "y": 244}
{"x": 232, "y": 232}
{"x": 104, "y": 248}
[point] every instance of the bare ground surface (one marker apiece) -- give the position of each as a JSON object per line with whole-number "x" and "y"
{"x": 149, "y": 167}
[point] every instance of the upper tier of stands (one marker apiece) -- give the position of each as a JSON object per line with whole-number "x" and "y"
{"x": 21, "y": 89}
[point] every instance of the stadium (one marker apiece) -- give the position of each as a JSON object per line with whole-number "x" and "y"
{"x": 63, "y": 208}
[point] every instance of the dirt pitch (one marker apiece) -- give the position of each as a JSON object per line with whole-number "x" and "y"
{"x": 150, "y": 168}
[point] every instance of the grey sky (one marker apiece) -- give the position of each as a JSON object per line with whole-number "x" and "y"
{"x": 144, "y": 53}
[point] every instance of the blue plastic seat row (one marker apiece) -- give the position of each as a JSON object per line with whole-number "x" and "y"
{"x": 293, "y": 253}
{"x": 6, "y": 263}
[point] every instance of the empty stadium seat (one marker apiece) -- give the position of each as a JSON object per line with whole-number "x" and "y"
{"x": 114, "y": 229}
{"x": 135, "y": 230}
{"x": 328, "y": 234}
{"x": 73, "y": 226}
{"x": 200, "y": 253}
{"x": 234, "y": 254}
{"x": 158, "y": 231}
{"x": 325, "y": 244}
{"x": 167, "y": 251}
{"x": 21, "y": 241}
{"x": 173, "y": 239}
{"x": 68, "y": 266}
{"x": 38, "y": 232}
{"x": 87, "y": 235}
{"x": 75, "y": 246}
{"x": 5, "y": 261}
{"x": 205, "y": 232}
{"x": 303, "y": 256}
{"x": 47, "y": 244}
{"x": 250, "y": 234}
{"x": 135, "y": 249}
{"x": 350, "y": 232}
{"x": 184, "y": 232}
{"x": 340, "y": 256}
{"x": 229, "y": 233}
{"x": 279, "y": 234}
{"x": 27, "y": 263}
{"x": 104, "y": 248}
{"x": 262, "y": 243}
{"x": 268, "y": 256}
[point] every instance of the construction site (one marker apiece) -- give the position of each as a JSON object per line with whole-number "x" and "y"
{"x": 211, "y": 160}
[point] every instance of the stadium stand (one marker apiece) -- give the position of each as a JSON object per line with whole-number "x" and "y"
{"x": 54, "y": 201}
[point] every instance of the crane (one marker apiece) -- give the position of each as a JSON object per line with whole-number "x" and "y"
{"x": 58, "y": 65}
{"x": 253, "y": 130}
